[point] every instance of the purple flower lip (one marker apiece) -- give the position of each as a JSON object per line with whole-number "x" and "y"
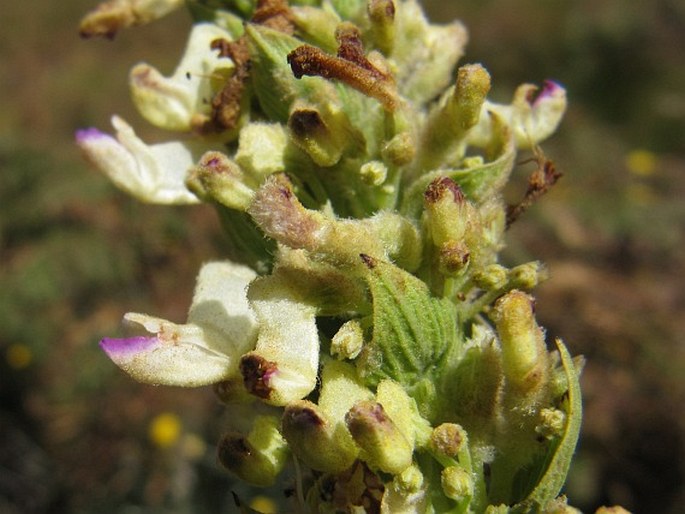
{"x": 128, "y": 345}
{"x": 550, "y": 88}
{"x": 89, "y": 134}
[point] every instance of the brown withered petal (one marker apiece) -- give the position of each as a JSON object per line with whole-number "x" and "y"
{"x": 257, "y": 372}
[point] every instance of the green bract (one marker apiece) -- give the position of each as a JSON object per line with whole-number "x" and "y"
{"x": 366, "y": 334}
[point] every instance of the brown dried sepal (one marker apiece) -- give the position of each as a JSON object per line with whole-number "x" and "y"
{"x": 539, "y": 183}
{"x": 357, "y": 486}
{"x": 226, "y": 103}
{"x": 275, "y": 14}
{"x": 349, "y": 66}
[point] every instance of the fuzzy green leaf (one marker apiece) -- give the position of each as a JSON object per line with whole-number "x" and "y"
{"x": 558, "y": 461}
{"x": 411, "y": 329}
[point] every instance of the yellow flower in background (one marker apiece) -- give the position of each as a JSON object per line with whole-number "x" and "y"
{"x": 165, "y": 429}
{"x": 264, "y": 505}
{"x": 641, "y": 162}
{"x": 19, "y": 356}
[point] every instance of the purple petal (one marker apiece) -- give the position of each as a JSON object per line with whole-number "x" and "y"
{"x": 127, "y": 346}
{"x": 549, "y": 89}
{"x": 89, "y": 134}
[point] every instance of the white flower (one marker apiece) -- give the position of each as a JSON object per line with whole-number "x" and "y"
{"x": 111, "y": 16}
{"x": 284, "y": 365}
{"x": 221, "y": 327}
{"x": 531, "y": 118}
{"x": 183, "y": 100}
{"x": 152, "y": 173}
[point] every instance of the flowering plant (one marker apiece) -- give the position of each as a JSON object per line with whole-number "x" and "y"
{"x": 373, "y": 344}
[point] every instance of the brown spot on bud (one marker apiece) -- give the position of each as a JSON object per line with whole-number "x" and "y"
{"x": 454, "y": 255}
{"x": 233, "y": 449}
{"x": 217, "y": 163}
{"x": 437, "y": 190}
{"x": 368, "y": 261}
{"x": 257, "y": 372}
{"x": 299, "y": 417}
{"x": 363, "y": 415}
{"x": 304, "y": 122}
{"x": 384, "y": 8}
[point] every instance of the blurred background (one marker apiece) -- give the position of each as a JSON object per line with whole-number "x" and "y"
{"x": 77, "y": 436}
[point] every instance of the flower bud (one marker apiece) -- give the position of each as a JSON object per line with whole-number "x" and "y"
{"x": 323, "y": 133}
{"x": 382, "y": 17}
{"x": 257, "y": 458}
{"x": 424, "y": 55}
{"x": 492, "y": 277}
{"x": 406, "y": 494}
{"x": 313, "y": 438}
{"x": 448, "y": 439}
{"x": 552, "y": 423}
{"x": 279, "y": 213}
{"x": 528, "y": 275}
{"x": 348, "y": 340}
{"x": 218, "y": 178}
{"x": 524, "y": 357}
{"x": 458, "y": 111}
{"x": 403, "y": 411}
{"x": 316, "y": 25}
{"x": 383, "y": 445}
{"x": 400, "y": 150}
{"x": 373, "y": 173}
{"x": 450, "y": 219}
{"x": 446, "y": 211}
{"x": 457, "y": 483}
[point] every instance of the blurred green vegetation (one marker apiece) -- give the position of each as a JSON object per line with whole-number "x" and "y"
{"x": 75, "y": 254}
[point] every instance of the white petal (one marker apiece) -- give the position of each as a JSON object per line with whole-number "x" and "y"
{"x": 173, "y": 103}
{"x": 531, "y": 120}
{"x": 221, "y": 328}
{"x": 151, "y": 173}
{"x": 177, "y": 355}
{"x": 288, "y": 342}
{"x": 220, "y": 304}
